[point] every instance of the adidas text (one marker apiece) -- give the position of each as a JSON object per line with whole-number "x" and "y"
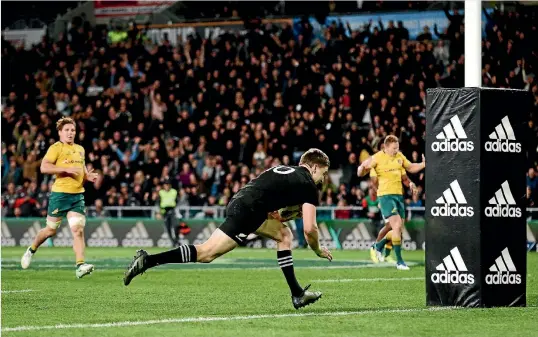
{"x": 452, "y": 210}
{"x": 503, "y": 146}
{"x": 503, "y": 211}
{"x": 504, "y": 204}
{"x": 452, "y": 270}
{"x": 452, "y": 145}
{"x": 503, "y": 138}
{"x": 503, "y": 278}
{"x": 452, "y": 278}
{"x": 503, "y": 271}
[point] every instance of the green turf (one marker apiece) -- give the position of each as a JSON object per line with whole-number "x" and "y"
{"x": 244, "y": 283}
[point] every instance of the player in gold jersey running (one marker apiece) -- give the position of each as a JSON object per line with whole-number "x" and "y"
{"x": 65, "y": 160}
{"x": 388, "y": 166}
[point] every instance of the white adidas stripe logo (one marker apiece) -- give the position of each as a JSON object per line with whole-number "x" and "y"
{"x": 506, "y": 265}
{"x": 503, "y": 271}
{"x": 450, "y": 203}
{"x": 453, "y": 262}
{"x": 7, "y": 239}
{"x": 452, "y": 195}
{"x": 503, "y": 196}
{"x": 505, "y": 205}
{"x": 453, "y": 138}
{"x": 452, "y": 270}
{"x": 503, "y": 138}
{"x": 103, "y": 237}
{"x": 503, "y": 130}
{"x": 453, "y": 130}
{"x": 137, "y": 237}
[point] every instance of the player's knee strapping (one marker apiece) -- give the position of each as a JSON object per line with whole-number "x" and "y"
{"x": 54, "y": 224}
{"x": 76, "y": 220}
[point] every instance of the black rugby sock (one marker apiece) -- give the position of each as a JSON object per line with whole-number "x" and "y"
{"x": 285, "y": 261}
{"x": 182, "y": 254}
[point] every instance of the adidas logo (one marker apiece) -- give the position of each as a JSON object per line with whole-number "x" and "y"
{"x": 504, "y": 270}
{"x": 7, "y": 239}
{"x": 165, "y": 242}
{"x": 325, "y": 237}
{"x": 358, "y": 238}
{"x": 28, "y": 236}
{"x": 503, "y": 135}
{"x": 451, "y": 200}
{"x": 503, "y": 200}
{"x": 137, "y": 237}
{"x": 454, "y": 270}
{"x": 205, "y": 234}
{"x": 64, "y": 238}
{"x": 102, "y": 237}
{"x": 451, "y": 138}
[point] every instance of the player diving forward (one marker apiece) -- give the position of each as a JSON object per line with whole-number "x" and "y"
{"x": 387, "y": 166}
{"x": 247, "y": 213}
{"x": 65, "y": 160}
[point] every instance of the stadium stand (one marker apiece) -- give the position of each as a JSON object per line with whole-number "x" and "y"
{"x": 212, "y": 114}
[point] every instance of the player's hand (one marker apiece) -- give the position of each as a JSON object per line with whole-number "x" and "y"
{"x": 92, "y": 176}
{"x": 423, "y": 161}
{"x": 364, "y": 167}
{"x": 324, "y": 253}
{"x": 413, "y": 188}
{"x": 73, "y": 171}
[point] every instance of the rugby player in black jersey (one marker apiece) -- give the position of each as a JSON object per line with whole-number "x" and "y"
{"x": 249, "y": 209}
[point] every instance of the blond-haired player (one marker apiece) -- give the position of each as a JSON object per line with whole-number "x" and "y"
{"x": 387, "y": 166}
{"x": 65, "y": 160}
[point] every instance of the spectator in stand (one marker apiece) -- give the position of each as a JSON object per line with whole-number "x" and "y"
{"x": 98, "y": 211}
{"x": 532, "y": 187}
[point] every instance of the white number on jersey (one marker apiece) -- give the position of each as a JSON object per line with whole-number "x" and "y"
{"x": 283, "y": 170}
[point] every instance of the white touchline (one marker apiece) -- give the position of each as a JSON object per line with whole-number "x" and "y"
{"x": 370, "y": 279}
{"x": 16, "y": 291}
{"x": 216, "y": 318}
{"x": 197, "y": 269}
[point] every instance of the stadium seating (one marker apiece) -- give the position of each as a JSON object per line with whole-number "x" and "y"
{"x": 211, "y": 114}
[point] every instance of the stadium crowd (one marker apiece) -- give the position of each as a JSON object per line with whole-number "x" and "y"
{"x": 209, "y": 115}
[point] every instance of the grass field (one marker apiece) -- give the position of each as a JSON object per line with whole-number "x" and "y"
{"x": 242, "y": 294}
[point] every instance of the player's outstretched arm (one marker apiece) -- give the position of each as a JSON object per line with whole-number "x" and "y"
{"x": 416, "y": 167}
{"x": 47, "y": 167}
{"x": 311, "y": 232}
{"x": 365, "y": 167}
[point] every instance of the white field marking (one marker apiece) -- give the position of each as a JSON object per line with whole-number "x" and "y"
{"x": 16, "y": 291}
{"x": 116, "y": 267}
{"x": 11, "y": 261}
{"x": 215, "y": 318}
{"x": 369, "y": 279}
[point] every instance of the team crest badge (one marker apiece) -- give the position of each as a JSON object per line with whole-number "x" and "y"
{"x": 399, "y": 161}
